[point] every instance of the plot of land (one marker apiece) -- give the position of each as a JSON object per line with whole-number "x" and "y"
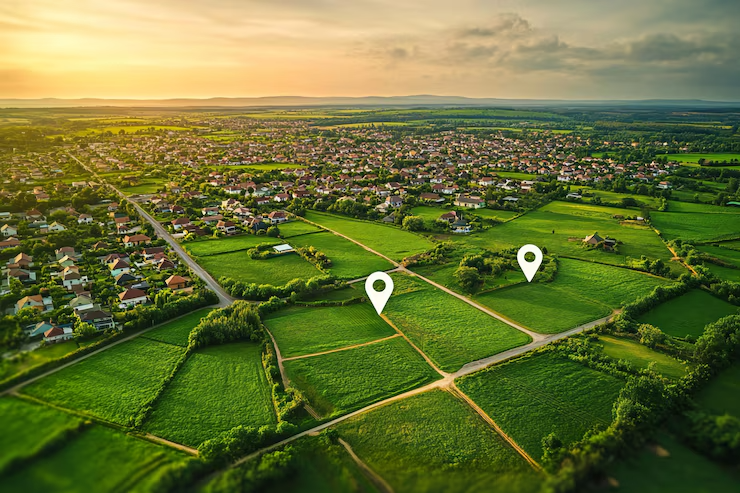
{"x": 708, "y": 224}
{"x": 534, "y": 396}
{"x": 203, "y": 248}
{"x": 722, "y": 394}
{"x": 41, "y": 355}
{"x": 300, "y": 330}
{"x": 435, "y": 442}
{"x": 349, "y": 260}
{"x": 114, "y": 384}
{"x": 341, "y": 382}
{"x": 217, "y": 388}
{"x": 294, "y": 228}
{"x": 641, "y": 356}
{"x": 392, "y": 242}
{"x": 447, "y": 329}
{"x": 688, "y": 314}
{"x": 177, "y": 331}
{"x": 276, "y": 270}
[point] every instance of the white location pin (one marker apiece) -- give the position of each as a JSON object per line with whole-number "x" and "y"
{"x": 529, "y": 268}
{"x": 379, "y": 298}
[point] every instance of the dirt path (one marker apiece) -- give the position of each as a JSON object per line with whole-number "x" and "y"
{"x": 444, "y": 374}
{"x": 345, "y": 348}
{"x": 178, "y": 446}
{"x": 373, "y": 476}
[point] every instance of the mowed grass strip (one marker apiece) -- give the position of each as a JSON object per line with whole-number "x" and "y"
{"x": 306, "y": 330}
{"x": 688, "y": 314}
{"x": 229, "y": 244}
{"x": 25, "y": 427}
{"x": 435, "y": 442}
{"x": 113, "y": 384}
{"x": 448, "y": 330}
{"x": 177, "y": 331}
{"x": 276, "y": 270}
{"x": 392, "y": 242}
{"x": 641, "y": 356}
{"x": 580, "y": 293}
{"x": 533, "y": 396}
{"x": 349, "y": 260}
{"x": 340, "y": 382}
{"x": 217, "y": 388}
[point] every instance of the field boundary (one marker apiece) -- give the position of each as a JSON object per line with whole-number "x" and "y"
{"x": 337, "y": 350}
{"x": 373, "y": 476}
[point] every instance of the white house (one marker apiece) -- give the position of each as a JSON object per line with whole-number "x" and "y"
{"x": 7, "y": 230}
{"x": 85, "y": 219}
{"x": 131, "y": 297}
{"x": 119, "y": 267}
{"x": 55, "y": 227}
{"x": 58, "y": 334}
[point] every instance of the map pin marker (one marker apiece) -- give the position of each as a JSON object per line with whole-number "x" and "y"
{"x": 379, "y": 298}
{"x": 529, "y": 268}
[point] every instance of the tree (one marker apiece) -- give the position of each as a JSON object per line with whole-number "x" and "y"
{"x": 84, "y": 330}
{"x": 650, "y": 336}
{"x": 468, "y": 278}
{"x": 413, "y": 223}
{"x": 273, "y": 232}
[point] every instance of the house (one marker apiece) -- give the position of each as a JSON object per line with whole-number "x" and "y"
{"x": 593, "y": 239}
{"x": 431, "y": 197}
{"x": 100, "y": 245}
{"x": 450, "y": 217}
{"x": 67, "y": 261}
{"x": 135, "y": 240}
{"x": 131, "y": 297}
{"x": 38, "y": 302}
{"x": 284, "y": 248}
{"x": 176, "y": 282}
{"x": 20, "y": 261}
{"x": 101, "y": 319}
{"x": 7, "y": 230}
{"x": 227, "y": 227}
{"x": 81, "y": 303}
{"x": 120, "y": 266}
{"x": 277, "y": 217}
{"x": 460, "y": 226}
{"x": 84, "y": 219}
{"x": 281, "y": 197}
{"x": 164, "y": 264}
{"x": 394, "y": 201}
{"x": 65, "y": 251}
{"x": 124, "y": 278}
{"x": 470, "y": 202}
{"x": 9, "y": 243}
{"x": 39, "y": 328}
{"x": 34, "y": 215}
{"x": 58, "y": 334}
{"x": 180, "y": 222}
{"x": 23, "y": 275}
{"x": 56, "y": 227}
{"x": 71, "y": 277}
{"x": 664, "y": 185}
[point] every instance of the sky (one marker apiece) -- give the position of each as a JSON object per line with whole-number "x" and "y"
{"x": 534, "y": 49}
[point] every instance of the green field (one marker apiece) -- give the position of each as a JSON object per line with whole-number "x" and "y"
{"x": 447, "y": 329}
{"x": 114, "y": 384}
{"x": 29, "y": 359}
{"x": 142, "y": 188}
{"x": 301, "y": 330}
{"x": 100, "y": 459}
{"x": 581, "y": 292}
{"x": 731, "y": 257}
{"x": 392, "y": 242}
{"x": 693, "y": 158}
{"x": 688, "y": 313}
{"x": 341, "y": 382}
{"x": 217, "y": 388}
{"x": 129, "y": 129}
{"x": 641, "y": 356}
{"x": 444, "y": 274}
{"x": 433, "y": 442}
{"x": 229, "y": 244}
{"x": 497, "y": 214}
{"x": 177, "y": 331}
{"x": 722, "y": 394}
{"x": 349, "y": 261}
{"x": 533, "y": 396}
{"x": 276, "y": 270}
{"x": 294, "y": 228}
{"x": 699, "y": 224}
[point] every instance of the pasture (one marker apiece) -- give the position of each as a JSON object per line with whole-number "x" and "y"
{"x": 688, "y": 314}
{"x": 436, "y": 442}
{"x": 304, "y": 330}
{"x": 337, "y": 383}
{"x": 276, "y": 270}
{"x": 114, "y": 384}
{"x": 388, "y": 240}
{"x": 716, "y": 157}
{"x": 203, "y": 248}
{"x": 217, "y": 388}
{"x": 295, "y": 228}
{"x": 641, "y": 356}
{"x": 533, "y": 396}
{"x": 29, "y": 359}
{"x": 177, "y": 331}
{"x": 447, "y": 329}
{"x": 722, "y": 394}
{"x": 349, "y": 260}
{"x": 699, "y": 224}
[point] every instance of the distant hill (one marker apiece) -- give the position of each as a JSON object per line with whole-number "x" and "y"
{"x": 367, "y": 101}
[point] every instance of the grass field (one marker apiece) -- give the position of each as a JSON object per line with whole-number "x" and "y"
{"x": 722, "y": 394}
{"x": 39, "y": 356}
{"x": 25, "y": 427}
{"x": 229, "y": 244}
{"x": 293, "y": 228}
{"x": 301, "y": 330}
{"x": 341, "y": 382}
{"x": 100, "y": 459}
{"x": 641, "y": 356}
{"x": 688, "y": 314}
{"x": 349, "y": 261}
{"x": 580, "y": 293}
{"x": 142, "y": 188}
{"x": 434, "y": 442}
{"x": 693, "y": 158}
{"x": 447, "y": 329}
{"x": 533, "y": 396}
{"x": 276, "y": 270}
{"x": 727, "y": 255}
{"x": 497, "y": 214}
{"x": 114, "y": 384}
{"x": 444, "y": 274}
{"x": 177, "y": 331}
{"x": 217, "y": 388}
{"x": 697, "y": 226}
{"x": 392, "y": 242}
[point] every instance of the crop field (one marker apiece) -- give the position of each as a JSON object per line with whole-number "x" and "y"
{"x": 698, "y": 225}
{"x": 217, "y": 388}
{"x": 276, "y": 270}
{"x": 341, "y": 382}
{"x": 722, "y": 395}
{"x": 533, "y": 396}
{"x": 349, "y": 261}
{"x": 100, "y": 459}
{"x": 294, "y": 228}
{"x": 177, "y": 331}
{"x": 25, "y": 427}
{"x": 302, "y": 330}
{"x": 447, "y": 329}
{"x": 444, "y": 274}
{"x": 435, "y": 442}
{"x": 571, "y": 223}
{"x": 229, "y": 244}
{"x": 114, "y": 384}
{"x": 581, "y": 292}
{"x": 392, "y": 242}
{"x": 641, "y": 356}
{"x": 348, "y": 292}
{"x": 688, "y": 314}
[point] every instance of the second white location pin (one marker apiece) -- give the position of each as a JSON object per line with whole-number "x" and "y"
{"x": 529, "y": 268}
{"x": 379, "y": 298}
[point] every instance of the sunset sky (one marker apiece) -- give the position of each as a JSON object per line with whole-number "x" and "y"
{"x": 570, "y": 49}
